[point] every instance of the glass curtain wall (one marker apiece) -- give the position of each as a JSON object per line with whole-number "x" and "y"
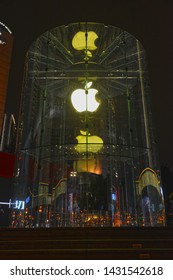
{"x": 86, "y": 149}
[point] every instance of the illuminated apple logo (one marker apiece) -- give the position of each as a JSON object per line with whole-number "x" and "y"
{"x": 90, "y": 143}
{"x": 85, "y": 99}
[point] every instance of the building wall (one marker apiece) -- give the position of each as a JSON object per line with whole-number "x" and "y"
{"x": 5, "y": 60}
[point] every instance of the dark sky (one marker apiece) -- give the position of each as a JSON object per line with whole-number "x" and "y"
{"x": 151, "y": 21}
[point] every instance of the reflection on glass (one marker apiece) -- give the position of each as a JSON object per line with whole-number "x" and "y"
{"x": 85, "y": 40}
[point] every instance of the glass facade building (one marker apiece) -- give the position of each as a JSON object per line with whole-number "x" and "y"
{"x": 86, "y": 149}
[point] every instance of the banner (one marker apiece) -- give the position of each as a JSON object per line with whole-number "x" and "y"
{"x": 7, "y": 164}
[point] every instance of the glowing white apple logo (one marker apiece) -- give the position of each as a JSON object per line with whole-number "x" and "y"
{"x": 85, "y": 99}
{"x": 90, "y": 143}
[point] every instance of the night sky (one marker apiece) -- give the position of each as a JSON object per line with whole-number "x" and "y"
{"x": 150, "y": 20}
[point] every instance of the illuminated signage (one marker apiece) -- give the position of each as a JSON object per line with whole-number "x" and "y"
{"x": 18, "y": 204}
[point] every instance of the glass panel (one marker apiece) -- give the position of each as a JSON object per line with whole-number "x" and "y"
{"x": 86, "y": 147}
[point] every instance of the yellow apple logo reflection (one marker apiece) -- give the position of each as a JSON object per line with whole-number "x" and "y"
{"x": 83, "y": 101}
{"x": 90, "y": 143}
{"x": 79, "y": 40}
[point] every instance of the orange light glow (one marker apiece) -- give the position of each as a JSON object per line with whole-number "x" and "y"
{"x": 90, "y": 165}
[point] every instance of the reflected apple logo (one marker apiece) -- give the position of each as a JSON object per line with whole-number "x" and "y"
{"x": 85, "y": 99}
{"x": 79, "y": 42}
{"x": 90, "y": 143}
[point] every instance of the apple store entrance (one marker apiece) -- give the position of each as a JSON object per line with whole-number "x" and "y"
{"x": 86, "y": 150}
